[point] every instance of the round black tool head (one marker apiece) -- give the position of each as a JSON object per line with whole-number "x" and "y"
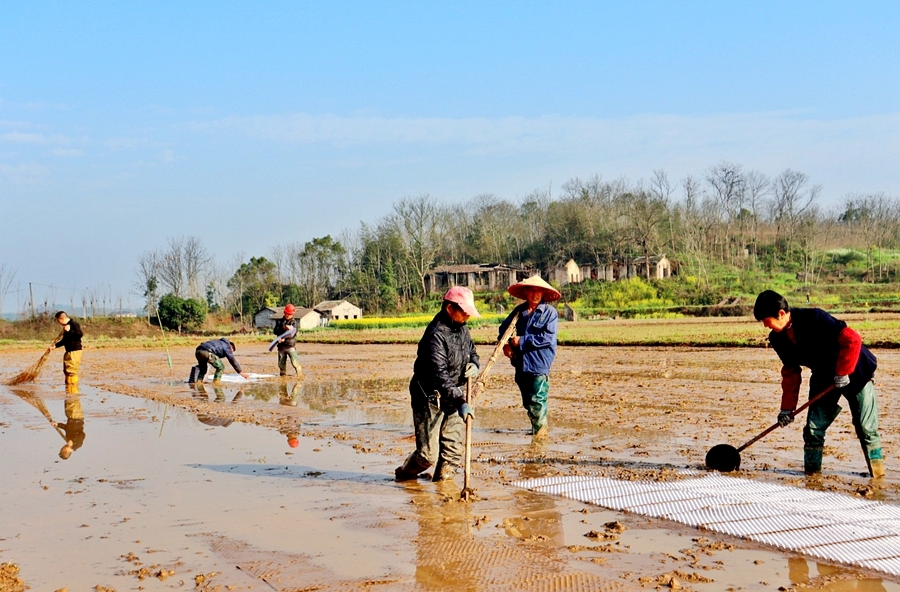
{"x": 723, "y": 457}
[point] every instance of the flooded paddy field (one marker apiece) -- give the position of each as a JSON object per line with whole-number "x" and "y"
{"x": 179, "y": 487}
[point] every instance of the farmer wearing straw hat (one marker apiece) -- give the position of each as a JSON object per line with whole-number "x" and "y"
{"x": 287, "y": 345}
{"x": 533, "y": 347}
{"x": 71, "y": 340}
{"x": 445, "y": 359}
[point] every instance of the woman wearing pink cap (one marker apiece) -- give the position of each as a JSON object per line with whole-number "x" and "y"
{"x": 445, "y": 359}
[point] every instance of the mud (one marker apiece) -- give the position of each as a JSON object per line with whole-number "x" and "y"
{"x": 176, "y": 487}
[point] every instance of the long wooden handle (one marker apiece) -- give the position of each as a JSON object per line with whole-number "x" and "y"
{"x": 479, "y": 382}
{"x": 468, "y": 454}
{"x": 793, "y": 414}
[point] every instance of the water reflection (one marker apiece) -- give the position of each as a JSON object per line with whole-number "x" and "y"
{"x": 798, "y": 572}
{"x": 72, "y": 430}
{"x": 211, "y": 419}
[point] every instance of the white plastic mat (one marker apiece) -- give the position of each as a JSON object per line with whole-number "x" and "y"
{"x": 237, "y": 378}
{"x": 821, "y": 524}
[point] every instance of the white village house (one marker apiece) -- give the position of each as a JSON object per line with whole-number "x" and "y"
{"x": 333, "y": 310}
{"x": 572, "y": 273}
{"x": 306, "y": 318}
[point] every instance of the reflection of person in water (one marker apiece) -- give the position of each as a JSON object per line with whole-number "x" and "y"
{"x": 212, "y": 419}
{"x": 290, "y": 399}
{"x": 798, "y": 572}
{"x": 73, "y": 429}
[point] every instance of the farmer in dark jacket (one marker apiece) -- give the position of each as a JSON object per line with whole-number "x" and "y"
{"x": 212, "y": 352}
{"x": 287, "y": 345}
{"x": 71, "y": 340}
{"x": 533, "y": 348}
{"x": 445, "y": 359}
{"x": 834, "y": 353}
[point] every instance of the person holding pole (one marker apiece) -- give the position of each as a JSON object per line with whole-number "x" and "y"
{"x": 533, "y": 348}
{"x": 286, "y": 326}
{"x": 71, "y": 341}
{"x": 445, "y": 359}
{"x": 834, "y": 353}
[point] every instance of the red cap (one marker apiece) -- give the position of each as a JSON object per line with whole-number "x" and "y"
{"x": 293, "y": 442}
{"x": 290, "y": 309}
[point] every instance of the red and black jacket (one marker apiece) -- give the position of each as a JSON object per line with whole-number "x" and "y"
{"x": 825, "y": 345}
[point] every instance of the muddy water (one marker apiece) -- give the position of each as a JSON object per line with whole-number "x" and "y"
{"x": 172, "y": 486}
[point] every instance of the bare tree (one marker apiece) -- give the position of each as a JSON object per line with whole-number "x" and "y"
{"x": 195, "y": 258}
{"x": 791, "y": 198}
{"x": 147, "y": 281}
{"x": 181, "y": 267}
{"x": 417, "y": 222}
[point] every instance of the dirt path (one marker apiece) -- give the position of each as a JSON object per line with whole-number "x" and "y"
{"x": 624, "y": 412}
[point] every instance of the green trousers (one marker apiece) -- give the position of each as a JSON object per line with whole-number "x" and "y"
{"x": 283, "y": 355}
{"x": 863, "y": 410}
{"x": 534, "y": 389}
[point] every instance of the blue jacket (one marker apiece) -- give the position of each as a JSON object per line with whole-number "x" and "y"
{"x": 222, "y": 349}
{"x": 537, "y": 337}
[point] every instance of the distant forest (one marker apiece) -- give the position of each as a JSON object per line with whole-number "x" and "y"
{"x": 729, "y": 220}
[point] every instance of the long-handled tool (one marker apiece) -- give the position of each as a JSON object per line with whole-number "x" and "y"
{"x": 472, "y": 391}
{"x": 467, "y": 492}
{"x": 727, "y": 458}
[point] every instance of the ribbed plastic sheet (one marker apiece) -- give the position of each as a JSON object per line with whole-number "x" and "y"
{"x": 821, "y": 524}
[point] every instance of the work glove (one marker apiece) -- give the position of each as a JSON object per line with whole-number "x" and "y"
{"x": 785, "y": 417}
{"x": 471, "y": 370}
{"x": 841, "y": 381}
{"x": 465, "y": 411}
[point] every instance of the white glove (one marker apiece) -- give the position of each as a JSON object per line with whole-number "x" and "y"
{"x": 841, "y": 381}
{"x": 471, "y": 370}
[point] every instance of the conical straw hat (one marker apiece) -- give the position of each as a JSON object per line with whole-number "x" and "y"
{"x": 551, "y": 294}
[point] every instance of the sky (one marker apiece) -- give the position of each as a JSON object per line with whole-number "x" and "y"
{"x": 249, "y": 125}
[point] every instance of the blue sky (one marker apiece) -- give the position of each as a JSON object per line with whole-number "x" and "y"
{"x": 255, "y": 124}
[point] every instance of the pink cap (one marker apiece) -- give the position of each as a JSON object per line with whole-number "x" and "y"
{"x": 463, "y": 298}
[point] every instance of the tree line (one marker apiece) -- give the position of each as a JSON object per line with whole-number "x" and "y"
{"x": 727, "y": 217}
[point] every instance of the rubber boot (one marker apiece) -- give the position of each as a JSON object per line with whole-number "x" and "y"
{"x": 875, "y": 462}
{"x": 444, "y": 471}
{"x": 192, "y": 377}
{"x": 876, "y": 468}
{"x": 411, "y": 468}
{"x": 542, "y": 434}
{"x": 812, "y": 460}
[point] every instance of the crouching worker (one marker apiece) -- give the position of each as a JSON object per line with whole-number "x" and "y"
{"x": 445, "y": 359}
{"x": 834, "y": 353}
{"x": 211, "y": 353}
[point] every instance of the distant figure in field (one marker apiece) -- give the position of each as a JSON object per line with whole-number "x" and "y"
{"x": 835, "y": 355}
{"x": 533, "y": 348}
{"x": 71, "y": 340}
{"x": 287, "y": 345}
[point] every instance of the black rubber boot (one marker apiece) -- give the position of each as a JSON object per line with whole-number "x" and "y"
{"x": 411, "y": 468}
{"x": 812, "y": 460}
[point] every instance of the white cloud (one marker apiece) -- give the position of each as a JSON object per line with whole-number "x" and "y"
{"x": 24, "y": 175}
{"x": 844, "y": 154}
